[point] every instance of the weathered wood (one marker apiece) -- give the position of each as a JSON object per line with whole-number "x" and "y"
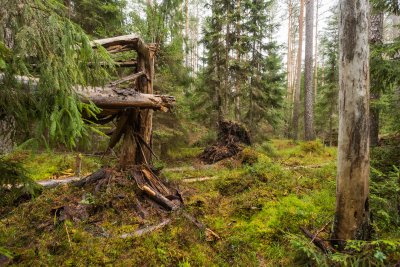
{"x": 123, "y": 40}
{"x": 110, "y": 98}
{"x": 54, "y": 183}
{"x": 160, "y": 199}
{"x": 131, "y": 77}
{"x": 146, "y": 230}
{"x": 94, "y": 177}
{"x": 124, "y": 43}
{"x": 135, "y": 100}
{"x": 352, "y": 187}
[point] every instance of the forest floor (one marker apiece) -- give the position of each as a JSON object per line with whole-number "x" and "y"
{"x": 255, "y": 203}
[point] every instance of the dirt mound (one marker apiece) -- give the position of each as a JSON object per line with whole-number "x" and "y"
{"x": 231, "y": 138}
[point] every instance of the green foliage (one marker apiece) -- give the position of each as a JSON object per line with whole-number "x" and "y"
{"x": 247, "y": 86}
{"x": 380, "y": 252}
{"x": 44, "y": 44}
{"x": 312, "y": 147}
{"x": 326, "y": 110}
{"x": 99, "y": 18}
{"x": 47, "y": 164}
{"x": 384, "y": 199}
{"x": 13, "y": 174}
{"x": 15, "y": 182}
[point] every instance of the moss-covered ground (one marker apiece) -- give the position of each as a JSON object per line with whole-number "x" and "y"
{"x": 255, "y": 202}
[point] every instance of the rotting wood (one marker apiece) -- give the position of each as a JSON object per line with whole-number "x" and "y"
{"x": 199, "y": 179}
{"x": 160, "y": 199}
{"x": 316, "y": 166}
{"x": 54, "y": 183}
{"x": 94, "y": 177}
{"x": 146, "y": 230}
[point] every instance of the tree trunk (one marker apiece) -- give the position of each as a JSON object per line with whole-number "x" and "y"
{"x": 138, "y": 128}
{"x": 308, "y": 73}
{"x": 289, "y": 63}
{"x": 187, "y": 33}
{"x": 352, "y": 207}
{"x": 375, "y": 38}
{"x": 7, "y": 122}
{"x": 316, "y": 52}
{"x": 238, "y": 52}
{"x": 296, "y": 104}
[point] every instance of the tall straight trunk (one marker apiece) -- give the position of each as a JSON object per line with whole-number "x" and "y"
{"x": 352, "y": 205}
{"x": 289, "y": 53}
{"x": 316, "y": 52}
{"x": 375, "y": 38}
{"x": 227, "y": 51}
{"x": 238, "y": 52}
{"x": 296, "y": 104}
{"x": 187, "y": 32}
{"x": 289, "y": 94}
{"x": 308, "y": 74}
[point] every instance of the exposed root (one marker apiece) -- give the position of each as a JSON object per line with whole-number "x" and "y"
{"x": 231, "y": 138}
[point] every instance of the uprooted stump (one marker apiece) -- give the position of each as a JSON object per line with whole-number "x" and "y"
{"x": 146, "y": 181}
{"x": 231, "y": 138}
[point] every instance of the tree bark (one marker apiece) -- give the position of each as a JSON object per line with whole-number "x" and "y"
{"x": 352, "y": 206}
{"x": 316, "y": 52}
{"x": 296, "y": 104}
{"x": 375, "y": 38}
{"x": 309, "y": 133}
{"x": 238, "y": 53}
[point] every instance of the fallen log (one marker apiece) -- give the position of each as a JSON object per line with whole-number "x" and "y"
{"x": 110, "y": 98}
{"x": 107, "y": 98}
{"x": 54, "y": 183}
{"x": 123, "y": 43}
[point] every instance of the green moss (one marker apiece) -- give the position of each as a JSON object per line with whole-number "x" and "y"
{"x": 256, "y": 204}
{"x": 43, "y": 165}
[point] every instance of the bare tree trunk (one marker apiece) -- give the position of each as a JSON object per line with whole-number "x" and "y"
{"x": 289, "y": 63}
{"x": 316, "y": 52}
{"x": 309, "y": 133}
{"x": 296, "y": 104}
{"x": 237, "y": 86}
{"x": 375, "y": 38}
{"x": 289, "y": 53}
{"x": 187, "y": 32}
{"x": 352, "y": 205}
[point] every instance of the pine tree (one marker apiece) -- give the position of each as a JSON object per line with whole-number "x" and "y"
{"x": 308, "y": 74}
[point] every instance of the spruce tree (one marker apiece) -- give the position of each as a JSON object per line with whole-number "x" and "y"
{"x": 38, "y": 40}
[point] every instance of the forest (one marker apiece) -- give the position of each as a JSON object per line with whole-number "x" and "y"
{"x": 199, "y": 133}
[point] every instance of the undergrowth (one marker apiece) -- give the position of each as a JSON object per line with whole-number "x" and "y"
{"x": 256, "y": 202}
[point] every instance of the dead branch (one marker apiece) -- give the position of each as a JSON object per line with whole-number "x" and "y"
{"x": 321, "y": 244}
